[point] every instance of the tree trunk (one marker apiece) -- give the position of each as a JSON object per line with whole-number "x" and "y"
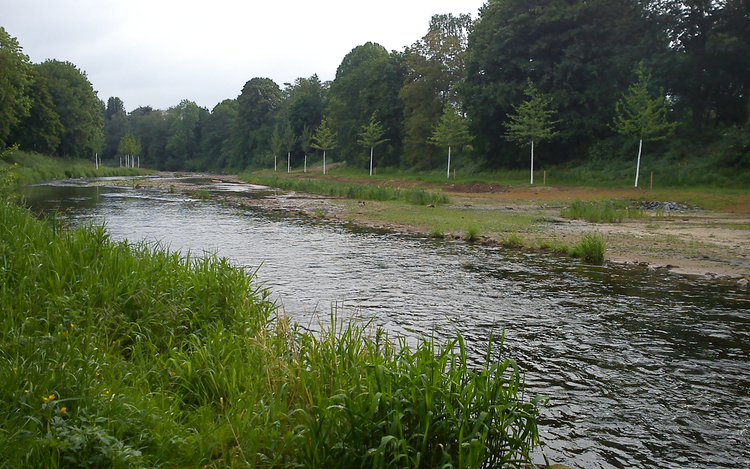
{"x": 371, "y": 161}
{"x": 288, "y": 162}
{"x": 448, "y": 173}
{"x": 532, "y": 161}
{"x": 324, "y": 162}
{"x": 638, "y": 162}
{"x": 305, "y": 168}
{"x": 274, "y": 162}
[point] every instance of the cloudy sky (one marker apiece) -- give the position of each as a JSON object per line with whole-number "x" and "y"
{"x": 158, "y": 52}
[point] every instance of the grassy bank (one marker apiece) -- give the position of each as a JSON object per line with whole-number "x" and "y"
{"x": 348, "y": 190}
{"x": 125, "y": 355}
{"x": 33, "y": 168}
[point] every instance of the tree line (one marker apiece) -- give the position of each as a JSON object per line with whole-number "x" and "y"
{"x": 461, "y": 87}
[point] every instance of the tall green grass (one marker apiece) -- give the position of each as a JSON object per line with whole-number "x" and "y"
{"x": 33, "y": 168}
{"x": 600, "y": 212}
{"x": 591, "y": 248}
{"x": 350, "y": 191}
{"x": 125, "y": 355}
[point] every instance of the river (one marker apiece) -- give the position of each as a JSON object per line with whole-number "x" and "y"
{"x": 642, "y": 369}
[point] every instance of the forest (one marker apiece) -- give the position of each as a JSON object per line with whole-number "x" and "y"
{"x": 594, "y": 68}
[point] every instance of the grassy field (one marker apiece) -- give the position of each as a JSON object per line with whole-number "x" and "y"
{"x": 123, "y": 355}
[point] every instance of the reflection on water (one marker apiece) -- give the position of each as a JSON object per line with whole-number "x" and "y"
{"x": 642, "y": 369}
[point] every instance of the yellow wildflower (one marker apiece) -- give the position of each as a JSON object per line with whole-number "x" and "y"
{"x": 51, "y": 397}
{"x": 64, "y": 409}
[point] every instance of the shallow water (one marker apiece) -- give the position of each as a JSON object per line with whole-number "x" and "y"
{"x": 641, "y": 369}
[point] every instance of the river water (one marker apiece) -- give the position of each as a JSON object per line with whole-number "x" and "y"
{"x": 642, "y": 370}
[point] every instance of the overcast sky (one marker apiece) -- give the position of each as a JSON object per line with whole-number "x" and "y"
{"x": 158, "y": 52}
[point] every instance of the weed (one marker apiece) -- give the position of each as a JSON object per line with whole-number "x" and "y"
{"x": 471, "y": 234}
{"x": 591, "y": 248}
{"x": 437, "y": 233}
{"x": 513, "y": 240}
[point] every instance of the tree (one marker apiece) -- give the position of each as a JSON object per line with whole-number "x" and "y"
{"x": 15, "y": 79}
{"x": 368, "y": 80}
{"x": 115, "y": 126}
{"x": 275, "y": 144}
{"x": 257, "y": 106}
{"x": 451, "y": 131}
{"x": 578, "y": 52}
{"x": 305, "y": 143}
{"x": 435, "y": 70}
{"x": 325, "y": 139}
{"x": 41, "y": 129}
{"x": 289, "y": 140}
{"x": 642, "y": 116}
{"x": 219, "y": 139}
{"x": 370, "y": 136}
{"x": 183, "y": 136}
{"x": 130, "y": 148}
{"x": 77, "y": 106}
{"x": 531, "y": 121}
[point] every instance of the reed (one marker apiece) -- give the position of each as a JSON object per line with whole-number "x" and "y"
{"x": 116, "y": 354}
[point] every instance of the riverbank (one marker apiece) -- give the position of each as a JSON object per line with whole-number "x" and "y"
{"x": 123, "y": 354}
{"x": 707, "y": 235}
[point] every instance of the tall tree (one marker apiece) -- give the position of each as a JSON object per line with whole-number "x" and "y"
{"x": 580, "y": 52}
{"x": 451, "y": 131}
{"x": 183, "y": 133}
{"x": 641, "y": 115}
{"x": 370, "y": 136}
{"x": 435, "y": 69}
{"x": 219, "y": 139}
{"x": 532, "y": 121}
{"x": 115, "y": 126}
{"x": 325, "y": 139}
{"x": 77, "y": 106}
{"x": 368, "y": 80}
{"x": 257, "y": 106}
{"x": 15, "y": 78}
{"x": 41, "y": 129}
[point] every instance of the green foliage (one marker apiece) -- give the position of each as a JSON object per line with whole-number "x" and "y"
{"x": 77, "y": 106}
{"x": 591, "y": 248}
{"x": 125, "y": 355}
{"x": 41, "y": 129}
{"x": 578, "y": 53}
{"x": 451, "y": 130}
{"x": 435, "y": 69}
{"x": 370, "y": 134}
{"x": 532, "y": 121}
{"x": 15, "y": 71}
{"x": 639, "y": 114}
{"x": 368, "y": 80}
{"x": 325, "y": 138}
{"x": 129, "y": 145}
